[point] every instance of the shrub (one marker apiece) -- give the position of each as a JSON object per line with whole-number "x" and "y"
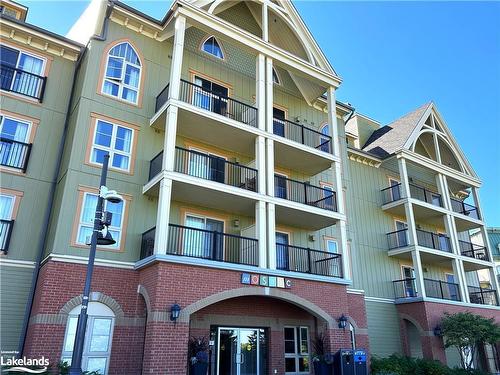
{"x": 400, "y": 365}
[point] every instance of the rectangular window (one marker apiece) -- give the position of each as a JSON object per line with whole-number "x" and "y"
{"x": 86, "y": 222}
{"x": 21, "y": 72}
{"x": 14, "y": 136}
{"x": 6, "y": 213}
{"x": 296, "y": 350}
{"x": 115, "y": 140}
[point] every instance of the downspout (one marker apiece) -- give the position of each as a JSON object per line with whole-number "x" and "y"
{"x": 48, "y": 212}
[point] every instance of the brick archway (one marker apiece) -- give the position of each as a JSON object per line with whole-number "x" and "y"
{"x": 254, "y": 291}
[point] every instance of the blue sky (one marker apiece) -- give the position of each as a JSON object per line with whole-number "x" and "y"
{"x": 393, "y": 57}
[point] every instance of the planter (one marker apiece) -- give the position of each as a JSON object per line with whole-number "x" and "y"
{"x": 199, "y": 368}
{"x": 323, "y": 368}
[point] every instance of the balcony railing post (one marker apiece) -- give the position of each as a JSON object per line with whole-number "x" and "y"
{"x": 309, "y": 260}
{"x": 441, "y": 289}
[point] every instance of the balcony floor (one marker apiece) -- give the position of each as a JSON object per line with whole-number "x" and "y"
{"x": 427, "y": 255}
{"x": 422, "y": 211}
{"x": 302, "y": 216}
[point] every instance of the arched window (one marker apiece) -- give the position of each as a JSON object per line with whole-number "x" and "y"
{"x": 212, "y": 46}
{"x": 325, "y": 140}
{"x": 98, "y": 337}
{"x": 123, "y": 73}
{"x": 276, "y": 78}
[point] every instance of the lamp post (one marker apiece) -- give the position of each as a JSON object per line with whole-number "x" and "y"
{"x": 101, "y": 220}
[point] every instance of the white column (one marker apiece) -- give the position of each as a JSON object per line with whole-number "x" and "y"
{"x": 260, "y": 163}
{"x": 163, "y": 216}
{"x": 269, "y": 94}
{"x": 177, "y": 53}
{"x": 260, "y": 91}
{"x": 442, "y": 185}
{"x": 475, "y": 195}
{"x": 271, "y": 235}
{"x": 339, "y": 187}
{"x": 261, "y": 232}
{"x": 459, "y": 273}
{"x": 265, "y": 22}
{"x": 270, "y": 167}
{"x": 419, "y": 277}
{"x": 405, "y": 186}
{"x": 165, "y": 191}
{"x": 332, "y": 120}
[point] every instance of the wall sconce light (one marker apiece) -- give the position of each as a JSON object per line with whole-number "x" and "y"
{"x": 438, "y": 331}
{"x": 343, "y": 321}
{"x": 175, "y": 311}
{"x": 236, "y": 223}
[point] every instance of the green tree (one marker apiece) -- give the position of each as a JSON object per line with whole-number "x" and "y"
{"x": 465, "y": 331}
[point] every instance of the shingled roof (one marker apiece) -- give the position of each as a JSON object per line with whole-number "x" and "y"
{"x": 390, "y": 138}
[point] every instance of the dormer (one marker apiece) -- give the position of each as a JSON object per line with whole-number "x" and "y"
{"x": 14, "y": 10}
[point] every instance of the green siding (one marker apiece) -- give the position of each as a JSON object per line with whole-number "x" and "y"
{"x": 15, "y": 282}
{"x": 383, "y": 328}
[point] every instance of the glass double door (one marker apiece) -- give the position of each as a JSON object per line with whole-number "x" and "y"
{"x": 240, "y": 351}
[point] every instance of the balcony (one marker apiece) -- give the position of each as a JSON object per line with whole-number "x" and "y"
{"x": 471, "y": 250}
{"x": 482, "y": 296}
{"x": 302, "y": 134}
{"x": 406, "y": 288}
{"x": 204, "y": 244}
{"x": 429, "y": 211}
{"x": 436, "y": 241}
{"x": 442, "y": 290}
{"x": 469, "y": 215}
{"x": 208, "y": 167}
{"x": 5, "y": 234}
{"x": 305, "y": 260}
{"x": 14, "y": 154}
{"x": 305, "y": 193}
{"x": 22, "y": 82}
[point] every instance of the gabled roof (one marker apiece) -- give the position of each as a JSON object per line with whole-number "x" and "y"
{"x": 391, "y": 138}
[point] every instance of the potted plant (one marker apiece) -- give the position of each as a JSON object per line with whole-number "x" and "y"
{"x": 198, "y": 355}
{"x": 322, "y": 361}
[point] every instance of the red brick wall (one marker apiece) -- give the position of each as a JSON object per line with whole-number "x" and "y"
{"x": 165, "y": 343}
{"x": 428, "y": 315}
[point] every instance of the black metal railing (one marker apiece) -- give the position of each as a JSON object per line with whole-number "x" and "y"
{"x": 212, "y": 245}
{"x": 405, "y": 288}
{"x": 155, "y": 165}
{"x": 5, "y": 233}
{"x": 161, "y": 98}
{"x": 14, "y": 154}
{"x": 464, "y": 208}
{"x": 482, "y": 296}
{"x": 391, "y": 194}
{"x": 472, "y": 250}
{"x": 305, "y": 260}
{"x": 442, "y": 290}
{"x": 148, "y": 243}
{"x": 216, "y": 102}
{"x": 433, "y": 240}
{"x": 425, "y": 195}
{"x": 302, "y": 134}
{"x": 305, "y": 193}
{"x": 22, "y": 82}
{"x": 214, "y": 168}
{"x": 395, "y": 192}
{"x": 397, "y": 239}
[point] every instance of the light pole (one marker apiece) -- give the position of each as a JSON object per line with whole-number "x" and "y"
{"x": 101, "y": 221}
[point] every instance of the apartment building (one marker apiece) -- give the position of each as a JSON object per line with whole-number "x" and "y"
{"x": 259, "y": 211}
{"x": 494, "y": 238}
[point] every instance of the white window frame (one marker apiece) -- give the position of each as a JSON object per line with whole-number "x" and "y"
{"x": 29, "y": 123}
{"x": 13, "y": 203}
{"x": 121, "y": 82}
{"x": 278, "y": 79}
{"x": 96, "y": 311}
{"x": 297, "y": 355}
{"x": 223, "y": 53}
{"x": 90, "y": 225}
{"x": 111, "y": 150}
{"x": 23, "y": 52}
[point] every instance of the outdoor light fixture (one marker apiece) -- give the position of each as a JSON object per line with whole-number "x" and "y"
{"x": 175, "y": 311}
{"x": 438, "y": 331}
{"x": 105, "y": 239}
{"x": 343, "y": 321}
